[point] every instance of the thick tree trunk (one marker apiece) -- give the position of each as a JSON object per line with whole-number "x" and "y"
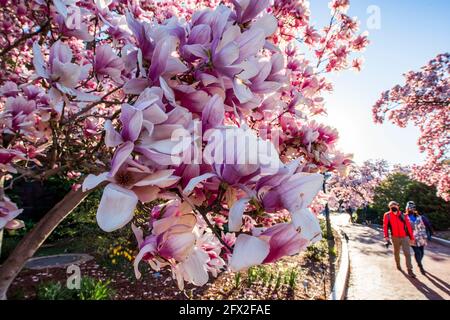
{"x": 36, "y": 237}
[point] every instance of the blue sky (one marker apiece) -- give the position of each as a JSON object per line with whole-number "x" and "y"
{"x": 412, "y": 33}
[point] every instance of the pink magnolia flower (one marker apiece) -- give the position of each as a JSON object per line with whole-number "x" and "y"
{"x": 129, "y": 183}
{"x": 160, "y": 136}
{"x": 172, "y": 239}
{"x": 71, "y": 20}
{"x": 8, "y": 157}
{"x": 236, "y": 156}
{"x": 213, "y": 114}
{"x": 176, "y": 242}
{"x": 107, "y": 63}
{"x": 285, "y": 190}
{"x": 9, "y": 89}
{"x": 267, "y": 246}
{"x": 18, "y": 115}
{"x": 60, "y": 71}
{"x": 247, "y": 10}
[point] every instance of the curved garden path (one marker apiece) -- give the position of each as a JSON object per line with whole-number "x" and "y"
{"x": 373, "y": 275}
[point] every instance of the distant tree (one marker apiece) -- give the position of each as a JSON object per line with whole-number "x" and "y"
{"x": 435, "y": 208}
{"x": 356, "y": 188}
{"x": 424, "y": 101}
{"x": 393, "y": 188}
{"x": 401, "y": 188}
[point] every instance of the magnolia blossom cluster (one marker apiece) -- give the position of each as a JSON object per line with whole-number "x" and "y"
{"x": 333, "y": 44}
{"x": 206, "y": 107}
{"x": 424, "y": 100}
{"x": 315, "y": 143}
{"x": 357, "y": 188}
{"x": 434, "y": 174}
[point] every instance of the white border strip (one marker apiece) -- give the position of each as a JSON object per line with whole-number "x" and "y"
{"x": 341, "y": 282}
{"x": 441, "y": 241}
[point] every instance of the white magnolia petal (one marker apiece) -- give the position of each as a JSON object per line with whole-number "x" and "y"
{"x": 147, "y": 248}
{"x": 116, "y": 207}
{"x": 268, "y": 23}
{"x": 155, "y": 115}
{"x": 236, "y": 213}
{"x": 168, "y": 92}
{"x": 38, "y": 61}
{"x": 242, "y": 92}
{"x": 196, "y": 50}
{"x": 135, "y": 86}
{"x": 195, "y": 267}
{"x": 313, "y": 184}
{"x": 162, "y": 179}
{"x": 178, "y": 143}
{"x": 300, "y": 190}
{"x": 121, "y": 155}
{"x": 195, "y": 181}
{"x": 138, "y": 233}
{"x": 146, "y": 99}
{"x": 68, "y": 75}
{"x": 93, "y": 181}
{"x": 249, "y": 69}
{"x": 308, "y": 225}
{"x": 248, "y": 251}
{"x": 178, "y": 246}
{"x": 112, "y": 137}
{"x": 141, "y": 64}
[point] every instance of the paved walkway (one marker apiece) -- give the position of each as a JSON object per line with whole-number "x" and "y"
{"x": 373, "y": 275}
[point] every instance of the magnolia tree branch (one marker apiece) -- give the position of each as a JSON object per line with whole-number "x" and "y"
{"x": 92, "y": 105}
{"x": 28, "y": 246}
{"x": 42, "y": 28}
{"x": 204, "y": 214}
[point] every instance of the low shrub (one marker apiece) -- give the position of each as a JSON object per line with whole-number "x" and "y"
{"x": 90, "y": 289}
{"x": 54, "y": 291}
{"x": 318, "y": 251}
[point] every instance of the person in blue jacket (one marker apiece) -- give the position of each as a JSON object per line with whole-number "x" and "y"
{"x": 420, "y": 234}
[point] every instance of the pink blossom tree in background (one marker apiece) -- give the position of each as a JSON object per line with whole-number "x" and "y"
{"x": 356, "y": 189}
{"x": 152, "y": 100}
{"x": 424, "y": 101}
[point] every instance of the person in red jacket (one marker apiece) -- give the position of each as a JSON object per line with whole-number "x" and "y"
{"x": 402, "y": 235}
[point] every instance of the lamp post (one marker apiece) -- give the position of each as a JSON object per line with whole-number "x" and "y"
{"x": 327, "y": 209}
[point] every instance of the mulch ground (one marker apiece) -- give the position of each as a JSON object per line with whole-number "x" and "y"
{"x": 313, "y": 282}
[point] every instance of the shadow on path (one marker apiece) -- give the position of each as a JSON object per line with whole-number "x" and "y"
{"x": 423, "y": 288}
{"x": 442, "y": 285}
